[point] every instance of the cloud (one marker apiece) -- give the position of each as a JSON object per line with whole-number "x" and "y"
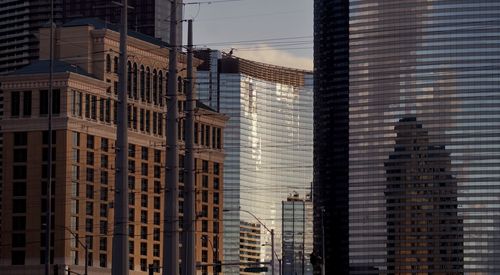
{"x": 267, "y": 54}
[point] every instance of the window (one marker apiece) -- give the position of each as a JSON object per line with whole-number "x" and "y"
{"x": 148, "y": 85}
{"x": 148, "y": 121}
{"x": 90, "y": 158}
{"x": 115, "y": 64}
{"x": 20, "y": 138}
{"x": 160, "y": 124}
{"x": 216, "y": 183}
{"x": 18, "y": 257}
{"x": 130, "y": 246}
{"x": 76, "y": 139}
{"x": 89, "y": 208}
{"x": 44, "y": 102}
{"x": 90, "y": 175}
{"x": 19, "y": 172}
{"x": 156, "y": 234}
{"x": 204, "y": 181}
{"x": 76, "y": 103}
{"x": 20, "y": 155}
{"x": 101, "y": 109}
{"x": 104, "y": 161}
{"x": 204, "y": 226}
{"x": 103, "y": 260}
{"x": 144, "y": 216}
{"x": 27, "y": 103}
{"x": 157, "y": 157}
{"x": 204, "y": 196}
{"x": 156, "y": 202}
{"x": 155, "y": 123}
{"x": 107, "y": 117}
{"x": 104, "y": 194}
{"x": 104, "y": 144}
{"x": 157, "y": 171}
{"x": 144, "y": 249}
{"x": 108, "y": 63}
{"x": 157, "y": 187}
{"x": 89, "y": 226}
{"x": 144, "y": 169}
{"x": 216, "y": 168}
{"x": 144, "y": 185}
{"x": 134, "y": 118}
{"x": 15, "y": 104}
{"x": 131, "y": 151}
{"x": 143, "y": 82}
{"x": 94, "y": 107}
{"x": 141, "y": 120}
{"x": 131, "y": 182}
{"x": 216, "y": 197}
{"x": 131, "y": 200}
{"x": 156, "y": 218}
{"x": 19, "y": 206}
{"x": 103, "y": 210}
{"x": 131, "y": 234}
{"x": 144, "y": 153}
{"x": 207, "y": 135}
{"x": 90, "y": 142}
{"x": 204, "y": 166}
{"x": 90, "y": 191}
{"x": 103, "y": 227}
{"x": 131, "y": 166}
{"x": 156, "y": 250}
{"x": 144, "y": 265}
{"x": 144, "y": 232}
{"x": 196, "y": 133}
{"x": 144, "y": 200}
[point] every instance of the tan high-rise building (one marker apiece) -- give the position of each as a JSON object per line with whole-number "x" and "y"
{"x": 84, "y": 121}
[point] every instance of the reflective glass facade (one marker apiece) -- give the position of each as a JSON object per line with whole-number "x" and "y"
{"x": 268, "y": 144}
{"x": 424, "y": 137}
{"x": 297, "y": 236}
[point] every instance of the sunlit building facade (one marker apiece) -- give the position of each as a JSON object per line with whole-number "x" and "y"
{"x": 268, "y": 142}
{"x": 297, "y": 235}
{"x": 423, "y": 136}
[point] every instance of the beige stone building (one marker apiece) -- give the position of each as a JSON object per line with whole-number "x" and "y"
{"x": 84, "y": 108}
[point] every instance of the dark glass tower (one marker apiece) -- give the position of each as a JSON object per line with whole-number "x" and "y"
{"x": 331, "y": 82}
{"x": 147, "y": 16}
{"x": 420, "y": 142}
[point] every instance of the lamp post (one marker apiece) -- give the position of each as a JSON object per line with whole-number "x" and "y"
{"x": 82, "y": 244}
{"x": 215, "y": 253}
{"x": 265, "y": 227}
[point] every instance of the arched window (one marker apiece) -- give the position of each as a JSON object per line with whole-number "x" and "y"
{"x": 160, "y": 88}
{"x": 108, "y": 63}
{"x": 180, "y": 85}
{"x": 148, "y": 85}
{"x": 135, "y": 86}
{"x": 115, "y": 67}
{"x": 155, "y": 87}
{"x": 129, "y": 79}
{"x": 143, "y": 83}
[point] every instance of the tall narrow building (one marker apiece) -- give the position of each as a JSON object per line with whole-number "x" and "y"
{"x": 20, "y": 21}
{"x": 423, "y": 114}
{"x": 268, "y": 142}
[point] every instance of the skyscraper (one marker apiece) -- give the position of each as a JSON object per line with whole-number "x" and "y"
{"x": 19, "y": 24}
{"x": 297, "y": 235}
{"x": 150, "y": 17}
{"x": 268, "y": 142}
{"x": 423, "y": 135}
{"x": 331, "y": 131}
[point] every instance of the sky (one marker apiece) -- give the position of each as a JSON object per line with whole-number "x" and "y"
{"x": 277, "y": 32}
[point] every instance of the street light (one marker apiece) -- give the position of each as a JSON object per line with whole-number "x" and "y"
{"x": 215, "y": 252}
{"x": 82, "y": 244}
{"x": 280, "y": 261}
{"x": 265, "y": 227}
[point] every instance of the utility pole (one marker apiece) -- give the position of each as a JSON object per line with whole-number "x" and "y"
{"x": 189, "y": 185}
{"x": 323, "y": 260}
{"x": 171, "y": 198}
{"x": 272, "y": 252}
{"x": 48, "y": 223}
{"x": 120, "y": 236}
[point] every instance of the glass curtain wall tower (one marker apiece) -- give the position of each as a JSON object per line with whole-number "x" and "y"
{"x": 268, "y": 142}
{"x": 423, "y": 134}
